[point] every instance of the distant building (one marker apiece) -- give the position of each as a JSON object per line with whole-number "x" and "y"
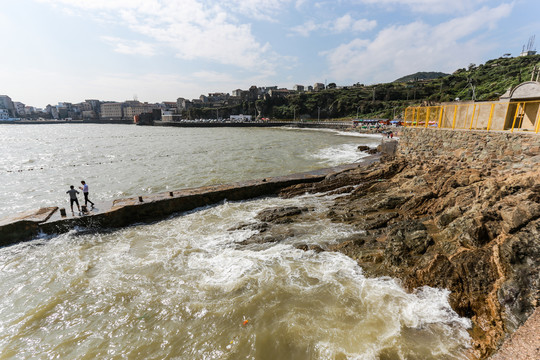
{"x": 182, "y": 104}
{"x": 112, "y": 111}
{"x": 298, "y": 88}
{"x": 318, "y": 86}
{"x": 169, "y": 106}
{"x": 7, "y": 104}
{"x": 29, "y": 110}
{"x": 52, "y": 110}
{"x": 19, "y": 108}
{"x": 133, "y": 108}
{"x": 253, "y": 93}
{"x": 279, "y": 92}
{"x": 529, "y": 49}
{"x": 241, "y": 117}
{"x": 4, "y": 114}
{"x": 170, "y": 116}
{"x": 197, "y": 103}
{"x": 528, "y": 53}
{"x": 237, "y": 92}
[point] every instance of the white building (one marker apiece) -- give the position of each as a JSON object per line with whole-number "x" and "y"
{"x": 4, "y": 114}
{"x": 241, "y": 117}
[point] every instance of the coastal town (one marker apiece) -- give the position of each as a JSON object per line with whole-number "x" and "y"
{"x": 107, "y": 111}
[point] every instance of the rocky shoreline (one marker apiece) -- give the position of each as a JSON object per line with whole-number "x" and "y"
{"x": 443, "y": 221}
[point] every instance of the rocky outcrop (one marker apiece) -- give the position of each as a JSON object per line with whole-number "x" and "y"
{"x": 442, "y": 221}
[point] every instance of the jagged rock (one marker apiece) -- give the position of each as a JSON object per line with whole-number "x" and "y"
{"x": 280, "y": 215}
{"x": 448, "y": 216}
{"x": 406, "y": 241}
{"x": 363, "y": 148}
{"x": 520, "y": 293}
{"x": 515, "y": 217}
{"x": 315, "y": 248}
{"x": 261, "y": 227}
{"x": 375, "y": 221}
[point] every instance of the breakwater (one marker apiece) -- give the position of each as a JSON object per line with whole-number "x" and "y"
{"x": 144, "y": 209}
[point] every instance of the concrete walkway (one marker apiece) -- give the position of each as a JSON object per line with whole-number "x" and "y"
{"x": 524, "y": 344}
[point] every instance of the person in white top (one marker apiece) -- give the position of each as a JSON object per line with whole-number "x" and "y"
{"x": 84, "y": 189}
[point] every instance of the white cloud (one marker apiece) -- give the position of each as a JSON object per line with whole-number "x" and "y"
{"x": 337, "y": 26}
{"x": 268, "y": 10}
{"x": 429, "y": 6}
{"x": 306, "y": 28}
{"x": 347, "y": 23}
{"x": 130, "y": 47}
{"x": 193, "y": 29}
{"x": 401, "y": 50}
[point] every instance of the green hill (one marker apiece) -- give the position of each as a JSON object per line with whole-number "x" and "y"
{"x": 422, "y": 76}
{"x": 489, "y": 81}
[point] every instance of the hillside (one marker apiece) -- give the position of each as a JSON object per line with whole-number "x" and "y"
{"x": 422, "y": 76}
{"x": 388, "y": 100}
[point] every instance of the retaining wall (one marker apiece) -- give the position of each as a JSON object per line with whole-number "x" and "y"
{"x": 473, "y": 148}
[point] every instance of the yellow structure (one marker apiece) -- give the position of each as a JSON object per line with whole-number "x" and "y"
{"x": 517, "y": 110}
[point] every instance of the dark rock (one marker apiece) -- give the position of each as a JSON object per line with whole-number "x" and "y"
{"x": 261, "y": 227}
{"x": 406, "y": 241}
{"x": 280, "y": 215}
{"x": 392, "y": 202}
{"x": 316, "y": 248}
{"x": 448, "y": 216}
{"x": 515, "y": 217}
{"x": 375, "y": 221}
{"x": 520, "y": 293}
{"x": 363, "y": 148}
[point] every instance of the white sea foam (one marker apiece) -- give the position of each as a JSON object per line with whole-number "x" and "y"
{"x": 335, "y": 155}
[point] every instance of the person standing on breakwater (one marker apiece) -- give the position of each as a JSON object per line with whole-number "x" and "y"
{"x": 84, "y": 189}
{"x": 73, "y": 197}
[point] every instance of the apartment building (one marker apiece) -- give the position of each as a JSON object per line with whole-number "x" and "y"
{"x": 112, "y": 111}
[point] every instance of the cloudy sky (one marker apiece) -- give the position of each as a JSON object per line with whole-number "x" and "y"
{"x": 159, "y": 50}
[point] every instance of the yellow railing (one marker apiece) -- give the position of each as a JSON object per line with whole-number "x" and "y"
{"x": 500, "y": 116}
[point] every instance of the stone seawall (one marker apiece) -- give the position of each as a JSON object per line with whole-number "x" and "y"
{"x": 474, "y": 148}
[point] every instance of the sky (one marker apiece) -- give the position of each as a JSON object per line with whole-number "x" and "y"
{"x": 160, "y": 50}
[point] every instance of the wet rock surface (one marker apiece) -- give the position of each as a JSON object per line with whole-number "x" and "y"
{"x": 471, "y": 228}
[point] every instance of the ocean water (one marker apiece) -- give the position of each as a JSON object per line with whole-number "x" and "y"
{"x": 40, "y": 162}
{"x": 188, "y": 288}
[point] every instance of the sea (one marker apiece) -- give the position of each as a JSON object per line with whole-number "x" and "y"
{"x": 189, "y": 287}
